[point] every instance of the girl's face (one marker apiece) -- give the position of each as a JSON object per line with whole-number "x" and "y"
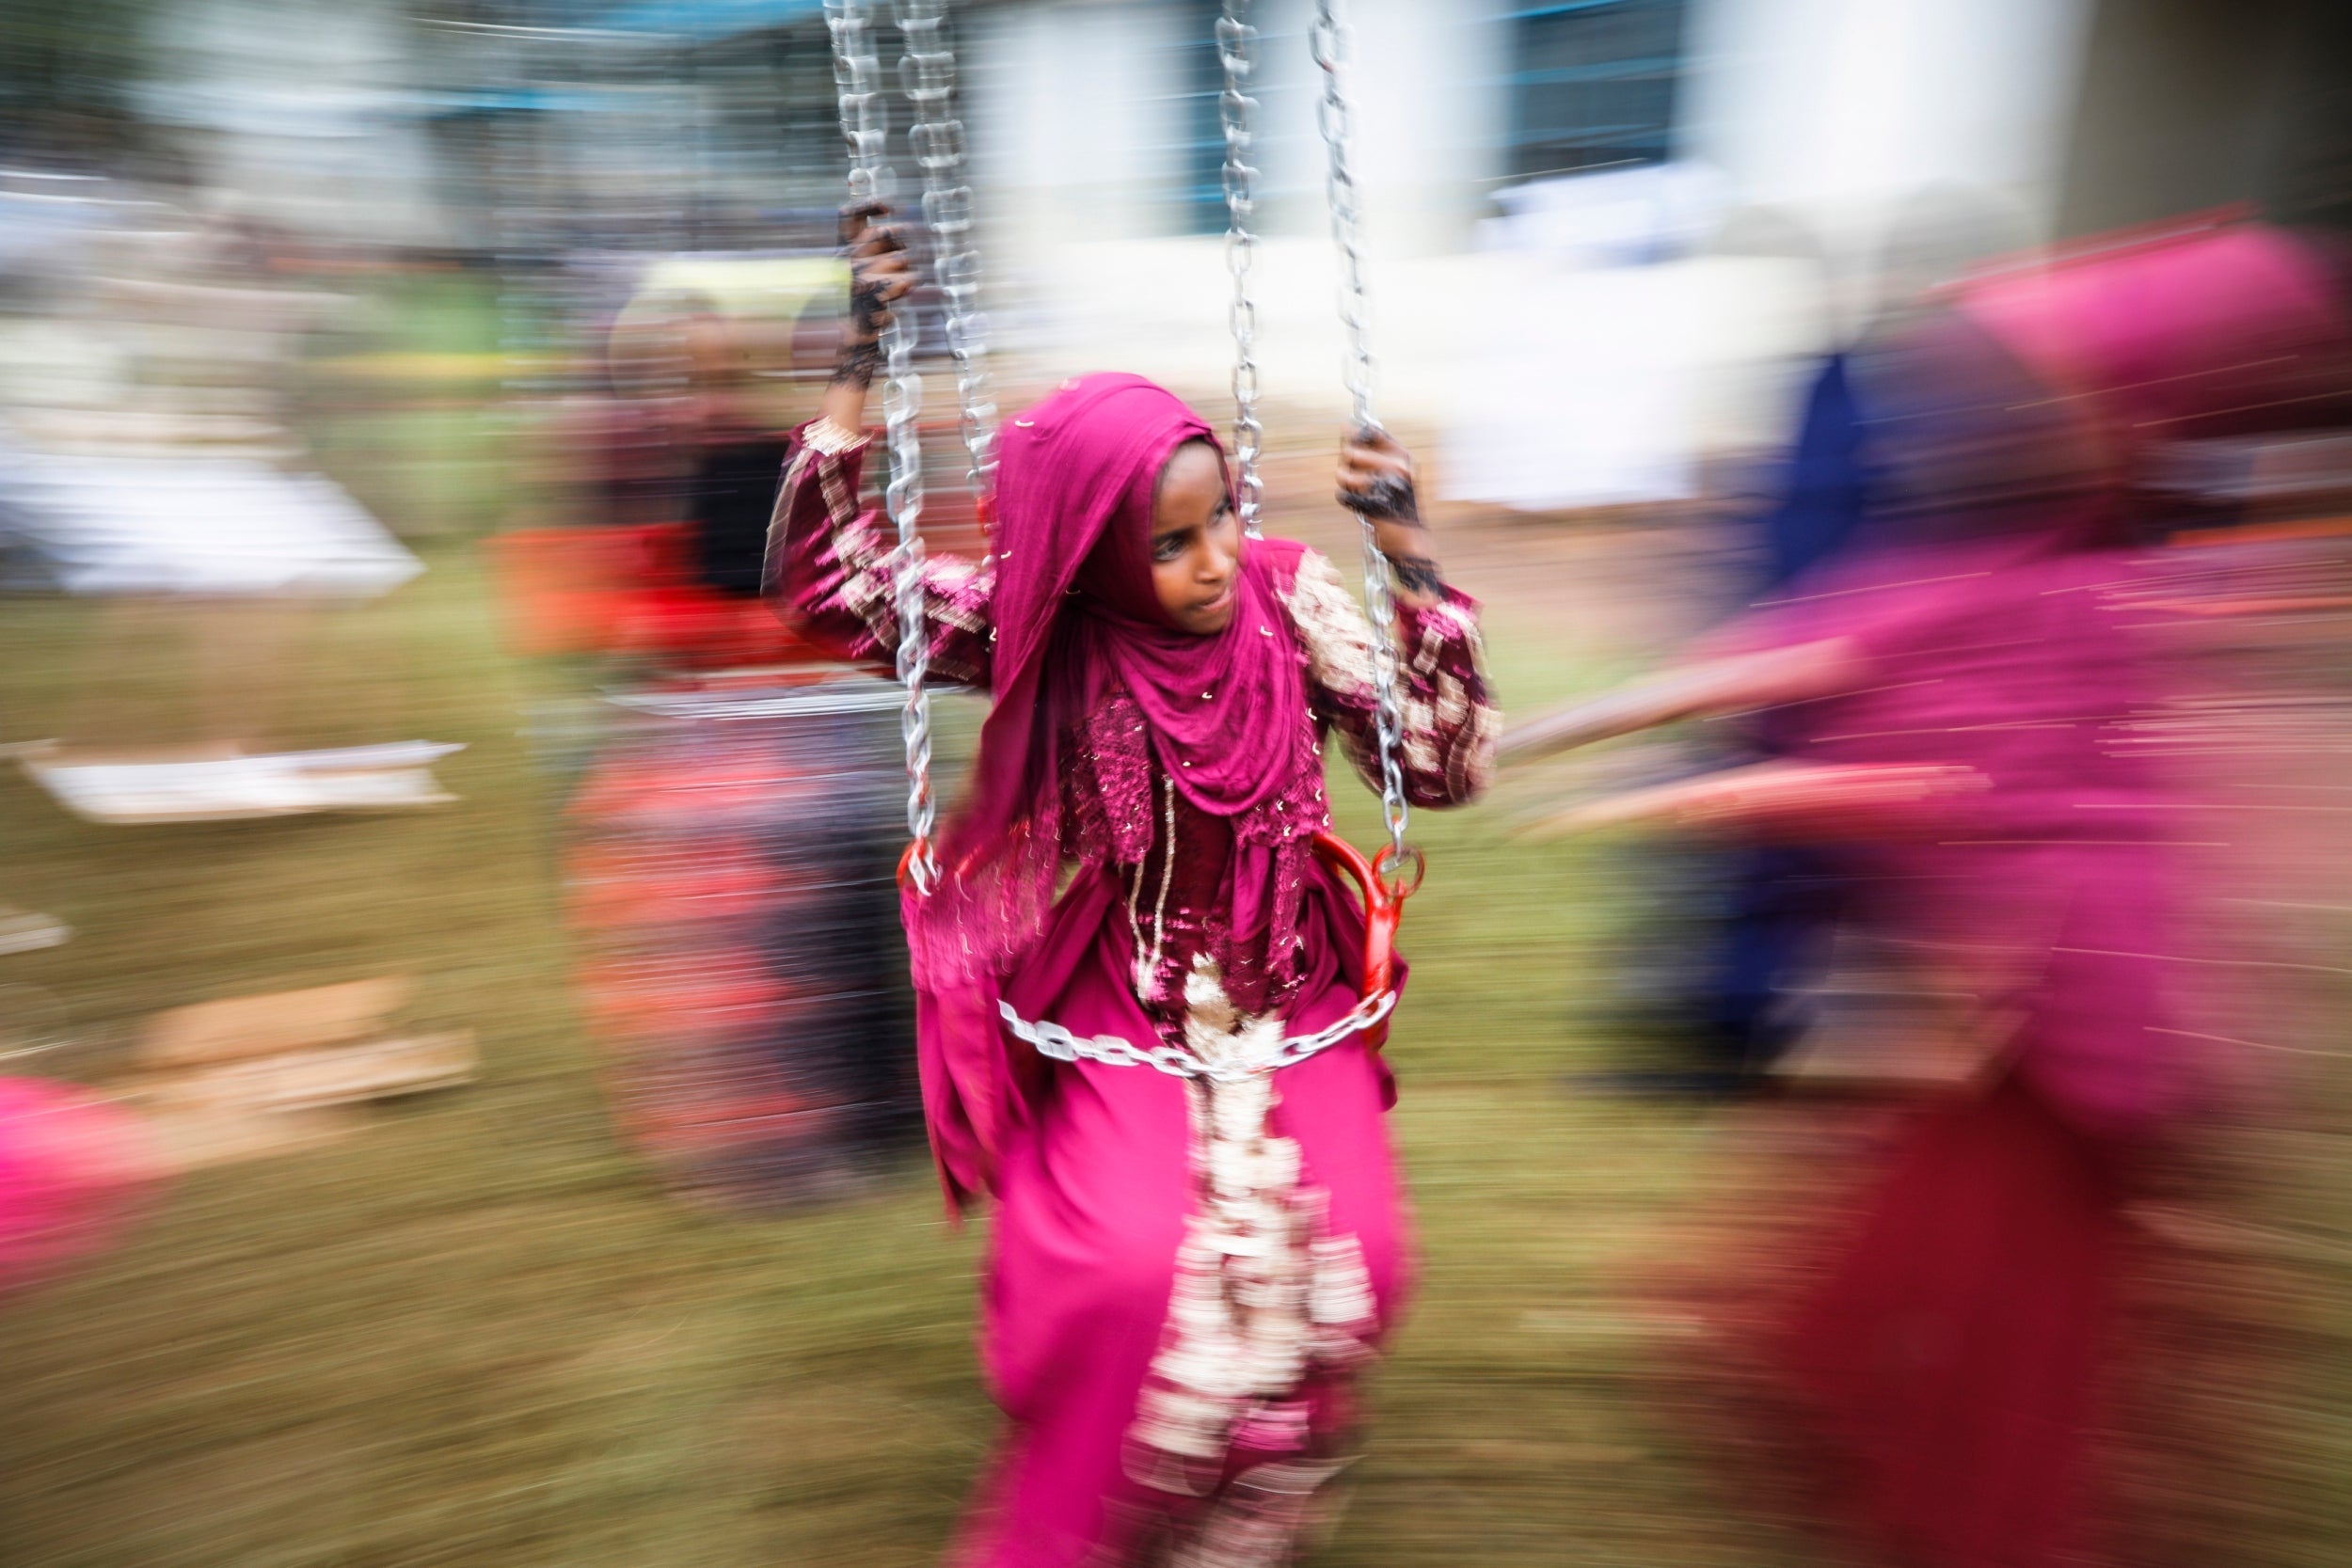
{"x": 1195, "y": 542}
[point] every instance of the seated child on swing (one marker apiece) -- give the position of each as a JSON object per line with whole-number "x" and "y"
{"x": 1190, "y": 1265}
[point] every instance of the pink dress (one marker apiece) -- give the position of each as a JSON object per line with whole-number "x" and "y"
{"x": 1951, "y": 1356}
{"x": 1185, "y": 1274}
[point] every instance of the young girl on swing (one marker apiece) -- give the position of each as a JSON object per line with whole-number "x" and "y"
{"x": 1187, "y": 1273}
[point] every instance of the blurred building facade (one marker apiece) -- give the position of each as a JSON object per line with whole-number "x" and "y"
{"x": 1099, "y": 117}
{"x": 1684, "y": 193}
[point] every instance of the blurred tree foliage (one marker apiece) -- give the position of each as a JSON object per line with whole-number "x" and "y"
{"x": 67, "y": 73}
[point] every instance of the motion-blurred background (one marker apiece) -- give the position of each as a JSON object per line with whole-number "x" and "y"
{"x": 448, "y": 971}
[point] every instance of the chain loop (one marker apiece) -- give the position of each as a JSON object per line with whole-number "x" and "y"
{"x": 864, "y": 118}
{"x": 1331, "y": 40}
{"x": 866, "y": 125}
{"x": 1235, "y": 39}
{"x": 1400, "y": 870}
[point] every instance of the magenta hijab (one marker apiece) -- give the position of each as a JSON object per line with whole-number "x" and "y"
{"x": 1075, "y": 611}
{"x": 1076, "y": 486}
{"x": 2230, "y": 329}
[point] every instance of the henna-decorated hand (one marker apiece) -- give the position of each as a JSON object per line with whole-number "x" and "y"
{"x": 1376, "y": 480}
{"x": 880, "y": 275}
{"x": 1376, "y": 477}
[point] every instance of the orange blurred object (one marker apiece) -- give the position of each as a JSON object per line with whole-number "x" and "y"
{"x": 630, "y": 592}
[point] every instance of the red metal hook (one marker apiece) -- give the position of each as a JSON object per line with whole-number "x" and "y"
{"x": 1384, "y": 906}
{"x": 906, "y": 857}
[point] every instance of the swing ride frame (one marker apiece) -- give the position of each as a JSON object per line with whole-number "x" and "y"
{"x": 935, "y": 139}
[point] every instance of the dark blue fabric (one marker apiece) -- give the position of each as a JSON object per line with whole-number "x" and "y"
{"x": 1827, "y": 480}
{"x": 1778, "y": 909}
{"x": 1780, "y": 902}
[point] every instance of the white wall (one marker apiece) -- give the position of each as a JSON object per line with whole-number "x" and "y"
{"x": 1428, "y": 115}
{"x": 1076, "y": 129}
{"x": 1078, "y": 121}
{"x": 1836, "y": 107}
{"x": 1839, "y": 107}
{"x": 1559, "y": 381}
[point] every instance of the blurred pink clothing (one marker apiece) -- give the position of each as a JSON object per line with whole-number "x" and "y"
{"x": 1952, "y": 1358}
{"x": 2005, "y": 655}
{"x": 2234, "y": 328}
{"x": 1098, "y": 1200}
{"x": 71, "y": 1167}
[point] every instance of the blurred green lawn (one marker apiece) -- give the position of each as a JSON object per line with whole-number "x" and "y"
{"x": 478, "y": 1333}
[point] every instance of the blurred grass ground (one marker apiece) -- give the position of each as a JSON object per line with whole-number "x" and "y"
{"x": 478, "y": 1334}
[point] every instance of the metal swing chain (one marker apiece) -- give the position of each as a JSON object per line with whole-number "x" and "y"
{"x": 927, "y": 74}
{"x": 857, "y": 83}
{"x": 1235, "y": 39}
{"x": 866, "y": 125}
{"x": 1329, "y": 39}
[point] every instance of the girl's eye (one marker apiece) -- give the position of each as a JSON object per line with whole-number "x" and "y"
{"x": 1168, "y": 546}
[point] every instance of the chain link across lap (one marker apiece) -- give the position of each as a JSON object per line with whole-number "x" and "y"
{"x": 1052, "y": 1039}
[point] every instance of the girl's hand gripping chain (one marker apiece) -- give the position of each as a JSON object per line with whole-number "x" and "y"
{"x": 1376, "y": 478}
{"x": 880, "y": 274}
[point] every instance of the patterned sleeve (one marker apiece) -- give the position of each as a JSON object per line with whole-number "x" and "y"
{"x": 828, "y": 568}
{"x": 1449, "y": 718}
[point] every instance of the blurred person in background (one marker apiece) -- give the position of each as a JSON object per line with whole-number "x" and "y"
{"x": 1770, "y": 934}
{"x": 1946, "y": 698}
{"x": 1187, "y": 1274}
{"x": 734, "y": 480}
{"x": 712, "y": 359}
{"x": 732, "y": 844}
